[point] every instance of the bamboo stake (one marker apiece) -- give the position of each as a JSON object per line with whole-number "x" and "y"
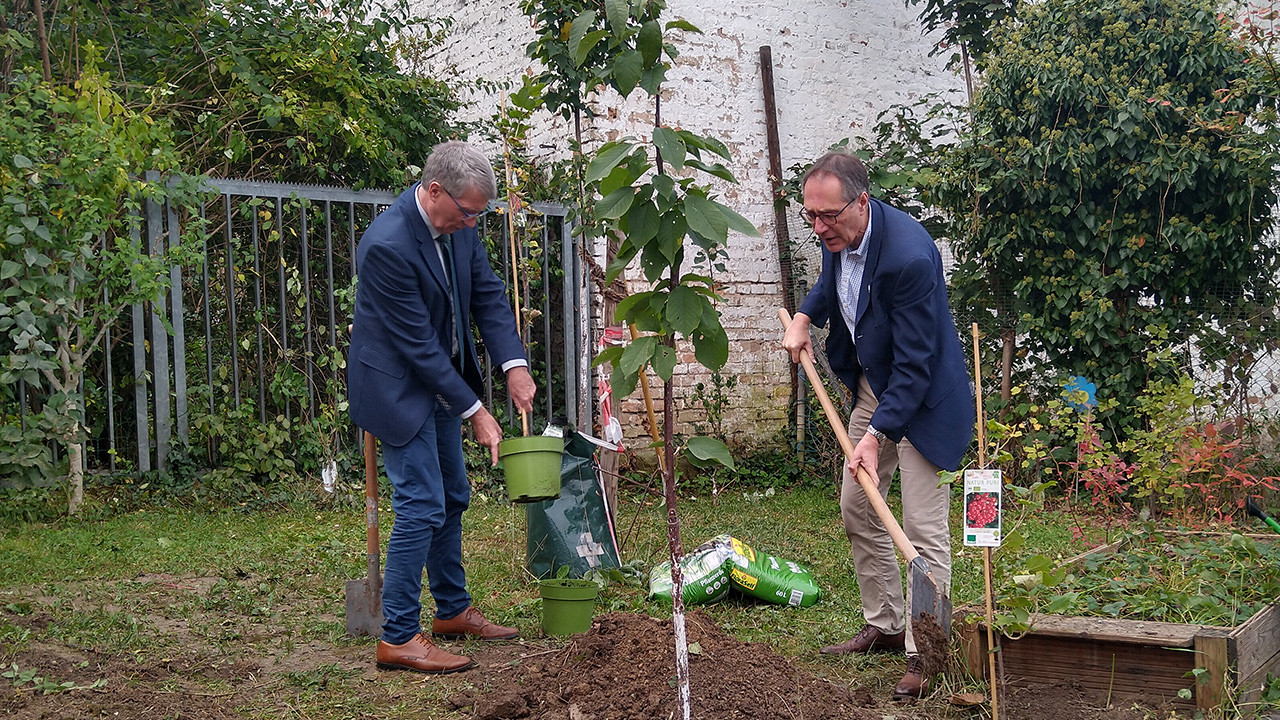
{"x": 513, "y": 202}
{"x": 648, "y": 405}
{"x": 986, "y": 551}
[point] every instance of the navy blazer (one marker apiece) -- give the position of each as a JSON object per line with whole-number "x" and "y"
{"x": 906, "y": 342}
{"x": 399, "y": 369}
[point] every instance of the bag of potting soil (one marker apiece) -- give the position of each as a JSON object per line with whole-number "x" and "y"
{"x": 769, "y": 577}
{"x": 705, "y": 573}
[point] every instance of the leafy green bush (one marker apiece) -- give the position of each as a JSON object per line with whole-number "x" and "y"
{"x": 269, "y": 89}
{"x": 1115, "y": 187}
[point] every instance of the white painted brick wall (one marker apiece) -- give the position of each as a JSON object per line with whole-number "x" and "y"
{"x": 837, "y": 65}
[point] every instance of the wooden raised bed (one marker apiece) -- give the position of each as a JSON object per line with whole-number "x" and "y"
{"x": 1134, "y": 657}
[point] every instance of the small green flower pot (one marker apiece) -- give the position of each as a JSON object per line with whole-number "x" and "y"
{"x": 568, "y": 605}
{"x": 531, "y": 466}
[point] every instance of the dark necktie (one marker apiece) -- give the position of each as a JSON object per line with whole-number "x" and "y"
{"x": 446, "y": 244}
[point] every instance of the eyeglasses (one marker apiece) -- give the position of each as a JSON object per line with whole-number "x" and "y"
{"x": 827, "y": 217}
{"x": 466, "y": 214}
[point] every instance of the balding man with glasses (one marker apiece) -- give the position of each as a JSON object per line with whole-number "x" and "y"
{"x": 893, "y": 342}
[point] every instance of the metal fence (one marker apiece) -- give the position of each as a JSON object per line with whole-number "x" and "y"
{"x": 258, "y": 328}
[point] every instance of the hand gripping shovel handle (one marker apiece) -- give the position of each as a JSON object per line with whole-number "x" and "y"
{"x": 869, "y": 486}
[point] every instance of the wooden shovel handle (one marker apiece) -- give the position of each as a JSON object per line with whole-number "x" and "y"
{"x": 869, "y": 485}
{"x": 373, "y": 549}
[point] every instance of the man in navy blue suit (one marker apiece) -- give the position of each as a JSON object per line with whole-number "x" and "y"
{"x": 412, "y": 379}
{"x": 893, "y": 343}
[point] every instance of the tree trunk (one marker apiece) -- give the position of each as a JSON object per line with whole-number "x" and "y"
{"x": 677, "y": 552}
{"x": 75, "y": 475}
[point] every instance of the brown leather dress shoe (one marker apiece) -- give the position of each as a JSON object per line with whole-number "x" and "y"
{"x": 420, "y": 655}
{"x": 913, "y": 683}
{"x": 868, "y": 639}
{"x": 471, "y": 622}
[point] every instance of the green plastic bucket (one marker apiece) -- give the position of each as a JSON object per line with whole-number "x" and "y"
{"x": 531, "y": 466}
{"x": 568, "y": 605}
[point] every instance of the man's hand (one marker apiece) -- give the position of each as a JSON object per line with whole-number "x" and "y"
{"x": 797, "y": 339}
{"x": 520, "y": 384}
{"x": 488, "y": 431}
{"x": 867, "y": 456}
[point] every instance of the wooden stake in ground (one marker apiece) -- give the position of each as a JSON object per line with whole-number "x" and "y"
{"x": 986, "y": 551}
{"x": 514, "y": 204}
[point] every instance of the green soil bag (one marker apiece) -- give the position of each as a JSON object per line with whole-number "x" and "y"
{"x": 705, "y": 572}
{"x": 573, "y": 530}
{"x": 768, "y": 577}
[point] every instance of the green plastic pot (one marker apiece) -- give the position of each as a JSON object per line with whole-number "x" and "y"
{"x": 568, "y": 605}
{"x": 531, "y": 466}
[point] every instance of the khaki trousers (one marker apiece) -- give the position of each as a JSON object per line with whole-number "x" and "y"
{"x": 925, "y": 507}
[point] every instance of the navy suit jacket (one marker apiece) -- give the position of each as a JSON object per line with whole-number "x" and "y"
{"x": 400, "y": 370}
{"x": 904, "y": 339}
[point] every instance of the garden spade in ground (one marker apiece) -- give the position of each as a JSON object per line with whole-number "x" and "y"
{"x": 364, "y": 596}
{"x": 930, "y": 605}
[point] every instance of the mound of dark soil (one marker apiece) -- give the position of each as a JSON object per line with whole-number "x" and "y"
{"x": 624, "y": 669}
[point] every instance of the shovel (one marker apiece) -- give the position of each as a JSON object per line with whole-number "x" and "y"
{"x": 926, "y": 596}
{"x": 1252, "y": 508}
{"x": 364, "y": 596}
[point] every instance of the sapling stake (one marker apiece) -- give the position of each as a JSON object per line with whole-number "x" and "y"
{"x": 986, "y": 551}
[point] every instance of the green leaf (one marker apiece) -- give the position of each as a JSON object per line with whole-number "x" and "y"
{"x": 627, "y": 70}
{"x": 623, "y": 384}
{"x": 10, "y": 269}
{"x": 578, "y": 31}
{"x": 642, "y": 222}
{"x": 709, "y": 450}
{"x": 684, "y": 309}
{"x": 637, "y": 354}
{"x": 607, "y": 159}
{"x": 681, "y": 24}
{"x": 21, "y": 161}
{"x": 626, "y": 304}
{"x": 670, "y": 145}
{"x": 616, "y": 203}
{"x": 664, "y": 361}
{"x": 737, "y": 222}
{"x": 705, "y": 218}
{"x": 705, "y": 142}
{"x": 584, "y": 48}
{"x": 608, "y": 355}
{"x": 710, "y": 343}
{"x": 649, "y": 43}
{"x": 718, "y": 169}
{"x": 617, "y": 12}
{"x": 653, "y": 77}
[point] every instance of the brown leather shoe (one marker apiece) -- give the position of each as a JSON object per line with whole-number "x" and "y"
{"x": 420, "y": 655}
{"x": 913, "y": 683}
{"x": 868, "y": 639}
{"x": 471, "y": 622}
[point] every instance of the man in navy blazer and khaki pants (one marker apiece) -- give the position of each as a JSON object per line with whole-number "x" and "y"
{"x": 894, "y": 344}
{"x": 413, "y": 377}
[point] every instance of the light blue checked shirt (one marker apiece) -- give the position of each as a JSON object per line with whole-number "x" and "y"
{"x": 853, "y": 262}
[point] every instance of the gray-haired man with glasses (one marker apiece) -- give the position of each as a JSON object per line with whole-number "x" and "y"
{"x": 413, "y": 378}
{"x": 894, "y": 344}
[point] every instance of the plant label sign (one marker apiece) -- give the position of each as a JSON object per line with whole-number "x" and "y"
{"x": 982, "y": 494}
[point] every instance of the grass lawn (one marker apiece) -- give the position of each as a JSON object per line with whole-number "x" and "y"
{"x": 204, "y": 602}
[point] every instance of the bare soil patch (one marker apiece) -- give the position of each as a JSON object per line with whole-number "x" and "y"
{"x": 622, "y": 669}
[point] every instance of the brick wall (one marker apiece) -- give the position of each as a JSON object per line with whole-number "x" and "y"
{"x": 837, "y": 65}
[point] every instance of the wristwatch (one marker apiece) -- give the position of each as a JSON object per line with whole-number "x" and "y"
{"x": 873, "y": 432}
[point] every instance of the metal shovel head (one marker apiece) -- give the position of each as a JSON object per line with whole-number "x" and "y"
{"x": 927, "y": 597}
{"x": 364, "y": 608}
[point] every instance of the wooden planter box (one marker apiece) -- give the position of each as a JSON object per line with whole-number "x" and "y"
{"x": 1134, "y": 657}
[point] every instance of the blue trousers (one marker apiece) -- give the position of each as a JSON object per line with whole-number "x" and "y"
{"x": 431, "y": 491}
